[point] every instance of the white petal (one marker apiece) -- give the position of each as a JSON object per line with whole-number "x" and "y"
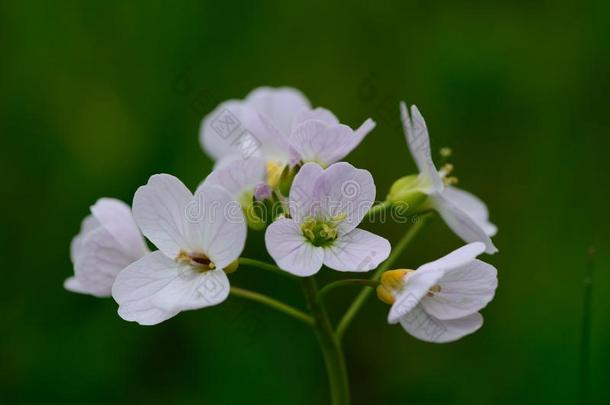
{"x": 87, "y": 225}
{"x": 418, "y": 141}
{"x": 343, "y": 190}
{"x": 315, "y": 141}
{"x": 461, "y": 223}
{"x": 302, "y": 199}
{"x": 156, "y": 288}
{"x": 99, "y": 261}
{"x": 161, "y": 208}
{"x": 238, "y": 177}
{"x": 73, "y": 285}
{"x": 319, "y": 114}
{"x": 235, "y": 130}
{"x": 464, "y": 290}
{"x": 291, "y": 250}
{"x": 459, "y": 257}
{"x": 472, "y": 206}
{"x": 417, "y": 285}
{"x": 430, "y": 329}
{"x": 419, "y": 282}
{"x": 363, "y": 130}
{"x": 115, "y": 216}
{"x": 358, "y": 250}
{"x": 217, "y": 224}
{"x": 281, "y": 105}
{"x": 221, "y": 128}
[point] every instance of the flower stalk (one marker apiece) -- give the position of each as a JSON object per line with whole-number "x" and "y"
{"x": 272, "y": 303}
{"x": 366, "y": 292}
{"x": 329, "y": 343}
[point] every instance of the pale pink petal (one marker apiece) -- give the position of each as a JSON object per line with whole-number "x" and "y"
{"x": 302, "y": 201}
{"x": 291, "y": 250}
{"x": 425, "y": 327}
{"x": 358, "y": 251}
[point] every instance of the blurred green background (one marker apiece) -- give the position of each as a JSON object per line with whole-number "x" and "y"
{"x": 97, "y": 96}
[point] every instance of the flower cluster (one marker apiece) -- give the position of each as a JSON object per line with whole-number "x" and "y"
{"x": 279, "y": 169}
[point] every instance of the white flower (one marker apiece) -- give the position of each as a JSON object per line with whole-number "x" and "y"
{"x": 464, "y": 213}
{"x": 197, "y": 236}
{"x": 279, "y": 126}
{"x": 439, "y": 302}
{"x": 325, "y": 208}
{"x": 109, "y": 241}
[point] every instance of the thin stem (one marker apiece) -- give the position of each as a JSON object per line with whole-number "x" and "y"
{"x": 329, "y": 343}
{"x": 273, "y": 303}
{"x": 265, "y": 266}
{"x": 350, "y": 281}
{"x": 585, "y": 342}
{"x": 365, "y": 293}
{"x": 381, "y": 207}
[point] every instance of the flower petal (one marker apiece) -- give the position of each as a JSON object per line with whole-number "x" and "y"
{"x": 302, "y": 199}
{"x": 472, "y": 206}
{"x": 160, "y": 208}
{"x": 417, "y": 285}
{"x": 87, "y": 225}
{"x": 238, "y": 177}
{"x": 464, "y": 290}
{"x": 291, "y": 250}
{"x": 99, "y": 261}
{"x": 418, "y": 141}
{"x": 319, "y": 114}
{"x": 344, "y": 191}
{"x": 462, "y": 224}
{"x": 155, "y": 288}
{"x": 116, "y": 217}
{"x": 217, "y": 224}
{"x": 281, "y": 105}
{"x": 358, "y": 250}
{"x": 425, "y": 327}
{"x": 235, "y": 130}
{"x": 315, "y": 141}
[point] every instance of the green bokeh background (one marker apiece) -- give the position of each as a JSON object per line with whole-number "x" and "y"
{"x": 97, "y": 96}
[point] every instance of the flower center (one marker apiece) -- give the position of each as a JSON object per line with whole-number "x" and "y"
{"x": 274, "y": 173}
{"x": 321, "y": 232}
{"x": 198, "y": 260}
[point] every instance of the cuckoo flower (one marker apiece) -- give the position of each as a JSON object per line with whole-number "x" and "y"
{"x": 439, "y": 302}
{"x": 326, "y": 206}
{"x": 464, "y": 213}
{"x": 279, "y": 126}
{"x": 109, "y": 241}
{"x": 197, "y": 237}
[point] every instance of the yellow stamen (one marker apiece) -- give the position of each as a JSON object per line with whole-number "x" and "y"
{"x": 274, "y": 173}
{"x": 391, "y": 283}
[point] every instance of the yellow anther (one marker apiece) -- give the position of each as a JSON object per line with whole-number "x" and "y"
{"x": 446, "y": 152}
{"x": 435, "y": 289}
{"x": 450, "y": 181}
{"x": 274, "y": 173}
{"x": 447, "y": 169}
{"x": 391, "y": 282}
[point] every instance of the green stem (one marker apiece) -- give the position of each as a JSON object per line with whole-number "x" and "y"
{"x": 273, "y": 303}
{"x": 265, "y": 266}
{"x": 329, "y": 343}
{"x": 366, "y": 292}
{"x": 350, "y": 281}
{"x": 381, "y": 207}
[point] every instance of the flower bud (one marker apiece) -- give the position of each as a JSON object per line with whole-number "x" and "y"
{"x": 262, "y": 192}
{"x": 391, "y": 282}
{"x": 407, "y": 191}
